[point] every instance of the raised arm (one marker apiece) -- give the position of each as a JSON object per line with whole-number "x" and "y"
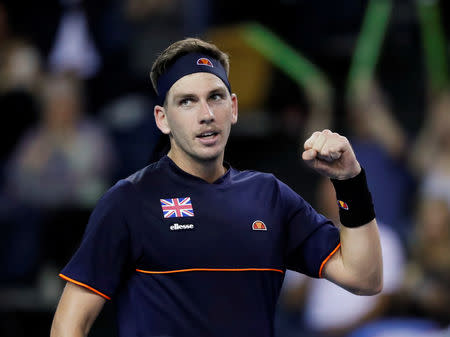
{"x": 357, "y": 265}
{"x": 76, "y": 312}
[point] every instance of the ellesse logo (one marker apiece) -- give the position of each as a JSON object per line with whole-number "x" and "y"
{"x": 204, "y": 62}
{"x": 178, "y": 227}
{"x": 342, "y": 205}
{"x": 258, "y": 225}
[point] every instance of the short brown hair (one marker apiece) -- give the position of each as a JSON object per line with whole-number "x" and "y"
{"x": 181, "y": 48}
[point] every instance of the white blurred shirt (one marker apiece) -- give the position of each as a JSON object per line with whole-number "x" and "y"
{"x": 329, "y": 306}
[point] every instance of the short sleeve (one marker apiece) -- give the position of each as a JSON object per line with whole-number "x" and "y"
{"x": 312, "y": 238}
{"x": 104, "y": 253}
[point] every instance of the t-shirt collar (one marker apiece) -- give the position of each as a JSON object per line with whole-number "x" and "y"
{"x": 175, "y": 169}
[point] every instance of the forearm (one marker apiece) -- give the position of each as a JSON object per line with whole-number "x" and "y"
{"x": 361, "y": 259}
{"x": 59, "y": 329}
{"x": 358, "y": 266}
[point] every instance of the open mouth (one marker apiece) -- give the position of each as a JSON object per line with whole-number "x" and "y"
{"x": 207, "y": 135}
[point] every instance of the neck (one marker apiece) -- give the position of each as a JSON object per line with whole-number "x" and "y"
{"x": 209, "y": 171}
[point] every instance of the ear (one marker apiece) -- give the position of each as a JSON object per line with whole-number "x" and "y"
{"x": 161, "y": 119}
{"x": 234, "y": 109}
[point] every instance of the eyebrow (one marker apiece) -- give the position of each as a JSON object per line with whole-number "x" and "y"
{"x": 183, "y": 96}
{"x": 218, "y": 90}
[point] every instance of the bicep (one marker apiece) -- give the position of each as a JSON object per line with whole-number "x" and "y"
{"x": 357, "y": 265}
{"x": 334, "y": 270}
{"x": 76, "y": 312}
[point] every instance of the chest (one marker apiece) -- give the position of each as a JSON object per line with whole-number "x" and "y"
{"x": 210, "y": 228}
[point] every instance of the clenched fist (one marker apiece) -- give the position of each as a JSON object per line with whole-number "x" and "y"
{"x": 331, "y": 155}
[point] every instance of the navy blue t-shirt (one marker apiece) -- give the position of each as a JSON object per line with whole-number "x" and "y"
{"x": 183, "y": 257}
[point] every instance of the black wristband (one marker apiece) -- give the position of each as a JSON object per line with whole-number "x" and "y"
{"x": 354, "y": 200}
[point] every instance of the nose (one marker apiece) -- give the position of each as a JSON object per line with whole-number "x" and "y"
{"x": 206, "y": 113}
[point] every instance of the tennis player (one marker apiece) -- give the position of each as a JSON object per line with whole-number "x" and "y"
{"x": 190, "y": 246}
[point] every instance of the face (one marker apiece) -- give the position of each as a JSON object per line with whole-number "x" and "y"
{"x": 434, "y": 217}
{"x": 198, "y": 115}
{"x": 62, "y": 110}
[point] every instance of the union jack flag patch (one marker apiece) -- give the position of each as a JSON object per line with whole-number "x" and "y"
{"x": 177, "y": 207}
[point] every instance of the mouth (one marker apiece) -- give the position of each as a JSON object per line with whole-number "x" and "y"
{"x": 208, "y": 135}
{"x": 208, "y": 138}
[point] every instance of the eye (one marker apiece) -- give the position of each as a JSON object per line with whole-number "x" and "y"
{"x": 217, "y": 96}
{"x": 185, "y": 101}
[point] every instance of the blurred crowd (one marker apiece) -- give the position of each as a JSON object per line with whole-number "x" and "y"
{"x": 77, "y": 107}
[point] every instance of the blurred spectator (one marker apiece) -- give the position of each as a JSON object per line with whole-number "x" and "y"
{"x": 430, "y": 157}
{"x": 67, "y": 158}
{"x": 380, "y": 144}
{"x": 142, "y": 30}
{"x": 20, "y": 70}
{"x": 427, "y": 285}
{"x": 130, "y": 122}
{"x": 155, "y": 23}
{"x": 400, "y": 327}
{"x": 277, "y": 148}
{"x": 427, "y": 281}
{"x": 110, "y": 33}
{"x": 332, "y": 311}
{"x": 61, "y": 167}
{"x": 372, "y": 119}
{"x": 73, "y": 47}
{"x": 20, "y": 244}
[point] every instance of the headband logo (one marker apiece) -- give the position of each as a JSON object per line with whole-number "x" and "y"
{"x": 204, "y": 62}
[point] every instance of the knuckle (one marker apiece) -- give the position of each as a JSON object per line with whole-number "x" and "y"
{"x": 331, "y": 149}
{"x": 316, "y": 147}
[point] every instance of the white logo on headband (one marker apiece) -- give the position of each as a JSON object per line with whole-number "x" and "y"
{"x": 203, "y": 61}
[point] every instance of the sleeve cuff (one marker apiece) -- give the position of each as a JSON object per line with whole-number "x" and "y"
{"x": 64, "y": 277}
{"x": 327, "y": 258}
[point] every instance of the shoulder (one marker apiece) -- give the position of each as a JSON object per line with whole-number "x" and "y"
{"x": 152, "y": 171}
{"x": 252, "y": 176}
{"x": 125, "y": 189}
{"x": 112, "y": 209}
{"x": 115, "y": 196}
{"x": 266, "y": 183}
{"x": 261, "y": 179}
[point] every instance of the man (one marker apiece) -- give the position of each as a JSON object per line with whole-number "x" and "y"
{"x": 189, "y": 246}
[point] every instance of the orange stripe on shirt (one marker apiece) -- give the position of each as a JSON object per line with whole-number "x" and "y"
{"x": 84, "y": 285}
{"x": 208, "y": 269}
{"x": 326, "y": 260}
